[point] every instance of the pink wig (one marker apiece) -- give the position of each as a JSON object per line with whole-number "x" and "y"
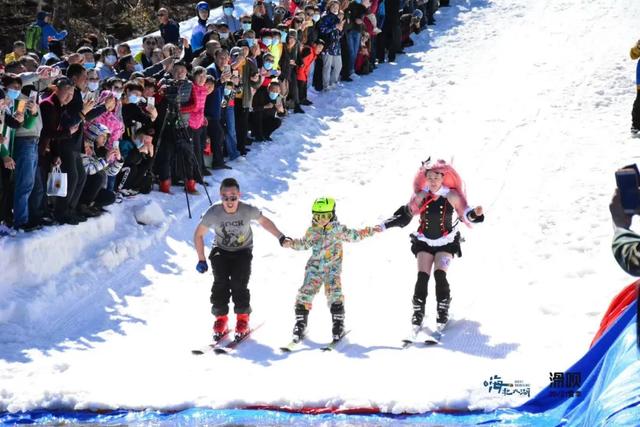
{"x": 451, "y": 180}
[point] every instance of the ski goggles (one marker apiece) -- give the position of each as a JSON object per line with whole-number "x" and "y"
{"x": 321, "y": 216}
{"x": 229, "y": 198}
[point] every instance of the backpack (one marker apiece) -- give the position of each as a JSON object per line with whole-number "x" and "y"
{"x": 33, "y": 36}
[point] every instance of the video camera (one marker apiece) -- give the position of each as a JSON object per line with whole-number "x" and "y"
{"x": 628, "y": 180}
{"x": 177, "y": 91}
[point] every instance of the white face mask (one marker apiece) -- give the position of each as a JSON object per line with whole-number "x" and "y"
{"x": 93, "y": 86}
{"x": 224, "y": 36}
{"x": 110, "y": 59}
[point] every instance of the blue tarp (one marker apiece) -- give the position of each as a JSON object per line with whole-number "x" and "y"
{"x": 610, "y": 376}
{"x": 609, "y": 394}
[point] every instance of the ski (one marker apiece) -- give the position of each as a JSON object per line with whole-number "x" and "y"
{"x": 422, "y": 335}
{"x": 333, "y": 344}
{"x": 231, "y": 346}
{"x": 215, "y": 344}
{"x": 291, "y": 346}
{"x": 439, "y": 332}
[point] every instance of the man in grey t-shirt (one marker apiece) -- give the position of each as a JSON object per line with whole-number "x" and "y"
{"x": 231, "y": 255}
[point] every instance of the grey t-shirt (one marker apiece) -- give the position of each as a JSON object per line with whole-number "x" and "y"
{"x": 233, "y": 231}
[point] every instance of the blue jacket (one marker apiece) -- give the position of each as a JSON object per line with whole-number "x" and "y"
{"x": 213, "y": 104}
{"x": 49, "y": 31}
{"x": 329, "y": 33}
{"x": 197, "y": 35}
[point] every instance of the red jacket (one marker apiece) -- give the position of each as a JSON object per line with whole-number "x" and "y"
{"x": 196, "y": 106}
{"x": 308, "y": 56}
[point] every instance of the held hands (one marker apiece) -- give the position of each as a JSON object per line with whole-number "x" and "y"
{"x": 285, "y": 241}
{"x": 202, "y": 267}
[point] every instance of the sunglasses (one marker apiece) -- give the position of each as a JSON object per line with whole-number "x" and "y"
{"x": 321, "y": 216}
{"x": 229, "y": 198}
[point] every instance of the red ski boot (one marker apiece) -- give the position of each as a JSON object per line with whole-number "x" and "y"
{"x": 242, "y": 325}
{"x": 220, "y": 328}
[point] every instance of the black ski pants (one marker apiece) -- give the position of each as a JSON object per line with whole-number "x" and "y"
{"x": 215, "y": 132}
{"x": 231, "y": 272}
{"x": 635, "y": 113}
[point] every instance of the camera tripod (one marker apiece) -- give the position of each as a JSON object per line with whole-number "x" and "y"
{"x": 183, "y": 157}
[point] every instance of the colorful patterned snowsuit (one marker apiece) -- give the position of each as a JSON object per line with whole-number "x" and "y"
{"x": 325, "y": 264}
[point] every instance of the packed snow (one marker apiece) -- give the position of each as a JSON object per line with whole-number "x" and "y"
{"x": 532, "y": 102}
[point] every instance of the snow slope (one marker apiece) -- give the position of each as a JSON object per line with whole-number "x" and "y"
{"x": 531, "y": 99}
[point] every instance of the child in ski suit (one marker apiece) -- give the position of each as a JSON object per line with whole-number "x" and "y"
{"x": 324, "y": 238}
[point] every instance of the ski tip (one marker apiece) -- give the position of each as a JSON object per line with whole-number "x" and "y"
{"x": 219, "y": 351}
{"x": 285, "y": 349}
{"x": 197, "y": 352}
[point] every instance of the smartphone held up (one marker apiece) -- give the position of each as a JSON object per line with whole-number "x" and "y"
{"x": 628, "y": 181}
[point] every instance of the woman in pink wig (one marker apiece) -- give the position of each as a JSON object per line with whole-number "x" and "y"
{"x": 438, "y": 191}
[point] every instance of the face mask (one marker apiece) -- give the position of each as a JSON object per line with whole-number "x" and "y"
{"x": 228, "y": 11}
{"x": 268, "y": 65}
{"x": 89, "y": 65}
{"x": 316, "y": 17}
{"x": 358, "y": 1}
{"x": 227, "y": 91}
{"x": 93, "y": 86}
{"x": 133, "y": 99}
{"x": 246, "y": 26}
{"x": 13, "y": 94}
{"x": 273, "y": 96}
{"x": 267, "y": 41}
{"x": 250, "y": 42}
{"x": 283, "y": 35}
{"x": 138, "y": 67}
{"x": 110, "y": 59}
{"x": 139, "y": 143}
{"x": 224, "y": 36}
{"x": 275, "y": 42}
{"x": 117, "y": 94}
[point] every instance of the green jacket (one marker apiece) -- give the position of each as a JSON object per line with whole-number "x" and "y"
{"x": 29, "y": 122}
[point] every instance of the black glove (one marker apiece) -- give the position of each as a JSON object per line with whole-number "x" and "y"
{"x": 283, "y": 239}
{"x": 401, "y": 218}
{"x": 475, "y": 218}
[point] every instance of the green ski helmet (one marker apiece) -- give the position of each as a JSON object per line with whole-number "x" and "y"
{"x": 323, "y": 205}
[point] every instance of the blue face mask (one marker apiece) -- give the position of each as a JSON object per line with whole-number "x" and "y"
{"x": 283, "y": 35}
{"x": 250, "y": 42}
{"x": 246, "y": 26}
{"x": 316, "y": 17}
{"x": 273, "y": 96}
{"x": 13, "y": 94}
{"x": 267, "y": 41}
{"x": 89, "y": 65}
{"x": 268, "y": 65}
{"x": 227, "y": 91}
{"x": 358, "y": 1}
{"x": 228, "y": 11}
{"x": 133, "y": 99}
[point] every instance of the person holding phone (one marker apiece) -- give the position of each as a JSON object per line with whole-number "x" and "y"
{"x": 624, "y": 204}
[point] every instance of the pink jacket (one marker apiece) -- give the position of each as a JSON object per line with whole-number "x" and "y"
{"x": 111, "y": 121}
{"x": 196, "y": 106}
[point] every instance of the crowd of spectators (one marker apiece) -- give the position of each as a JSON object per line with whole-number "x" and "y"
{"x": 116, "y": 122}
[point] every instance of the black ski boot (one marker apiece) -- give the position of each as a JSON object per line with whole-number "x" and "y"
{"x": 300, "y": 328}
{"x": 337, "y": 315}
{"x": 418, "y": 312}
{"x": 443, "y": 312}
